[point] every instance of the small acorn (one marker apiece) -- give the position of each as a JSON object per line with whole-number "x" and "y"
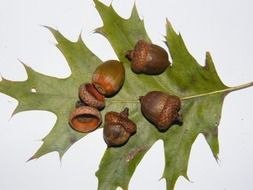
{"x": 90, "y": 96}
{"x": 118, "y": 128}
{"x": 148, "y": 58}
{"x": 109, "y": 77}
{"x": 161, "y": 109}
{"x": 85, "y": 119}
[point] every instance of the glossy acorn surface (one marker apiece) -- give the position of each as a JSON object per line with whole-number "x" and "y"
{"x": 161, "y": 109}
{"x": 85, "y": 119}
{"x": 148, "y": 58}
{"x": 109, "y": 77}
{"x": 118, "y": 128}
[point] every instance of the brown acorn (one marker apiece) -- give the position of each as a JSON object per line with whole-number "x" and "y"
{"x": 85, "y": 119}
{"x": 118, "y": 128}
{"x": 109, "y": 77}
{"x": 148, "y": 58}
{"x": 161, "y": 109}
{"x": 90, "y": 96}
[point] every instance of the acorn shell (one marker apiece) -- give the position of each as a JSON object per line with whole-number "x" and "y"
{"x": 161, "y": 109}
{"x": 148, "y": 58}
{"x": 85, "y": 119}
{"x": 109, "y": 77}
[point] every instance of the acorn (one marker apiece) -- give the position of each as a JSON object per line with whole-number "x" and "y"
{"x": 90, "y": 96}
{"x": 148, "y": 58}
{"x": 85, "y": 119}
{"x": 161, "y": 109}
{"x": 109, "y": 77}
{"x": 118, "y": 128}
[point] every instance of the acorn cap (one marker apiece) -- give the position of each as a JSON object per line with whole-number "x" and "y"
{"x": 169, "y": 114}
{"x": 85, "y": 119}
{"x": 90, "y": 96}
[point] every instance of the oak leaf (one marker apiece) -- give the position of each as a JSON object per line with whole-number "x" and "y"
{"x": 199, "y": 87}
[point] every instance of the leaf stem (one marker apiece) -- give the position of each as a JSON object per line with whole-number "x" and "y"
{"x": 226, "y": 90}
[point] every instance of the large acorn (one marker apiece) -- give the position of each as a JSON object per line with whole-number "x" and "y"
{"x": 118, "y": 128}
{"x": 109, "y": 77}
{"x": 148, "y": 58}
{"x": 161, "y": 109}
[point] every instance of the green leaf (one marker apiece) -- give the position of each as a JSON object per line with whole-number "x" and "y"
{"x": 40, "y": 92}
{"x": 199, "y": 87}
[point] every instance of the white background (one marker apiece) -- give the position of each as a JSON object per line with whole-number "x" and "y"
{"x": 224, "y": 28}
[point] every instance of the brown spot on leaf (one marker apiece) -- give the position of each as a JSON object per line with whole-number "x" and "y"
{"x": 131, "y": 155}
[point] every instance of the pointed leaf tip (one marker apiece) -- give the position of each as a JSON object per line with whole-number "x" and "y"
{"x": 99, "y": 4}
{"x": 134, "y": 13}
{"x": 51, "y": 29}
{"x": 30, "y": 159}
{"x": 209, "y": 59}
{"x": 168, "y": 23}
{"x": 99, "y": 31}
{"x": 169, "y": 28}
{"x": 80, "y": 39}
